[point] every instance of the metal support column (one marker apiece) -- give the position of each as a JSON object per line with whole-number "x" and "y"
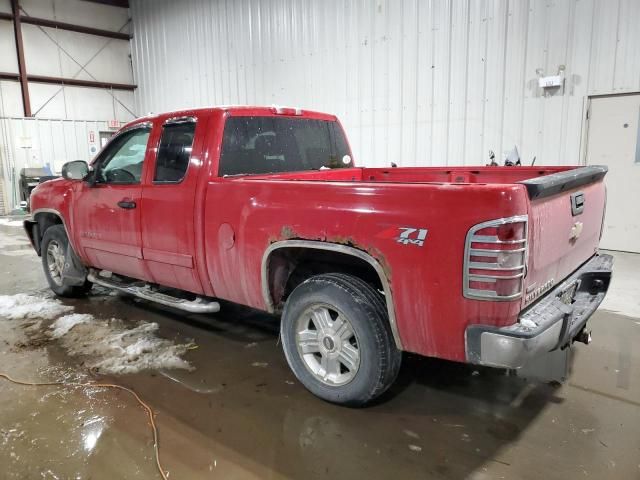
{"x": 22, "y": 69}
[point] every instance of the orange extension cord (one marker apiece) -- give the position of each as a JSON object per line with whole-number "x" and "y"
{"x": 107, "y": 385}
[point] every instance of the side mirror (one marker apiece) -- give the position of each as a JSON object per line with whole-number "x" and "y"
{"x": 76, "y": 170}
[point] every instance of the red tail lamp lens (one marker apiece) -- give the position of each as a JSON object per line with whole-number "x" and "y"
{"x": 506, "y": 287}
{"x": 510, "y": 231}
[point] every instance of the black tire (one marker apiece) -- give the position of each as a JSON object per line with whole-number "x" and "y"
{"x": 56, "y": 235}
{"x": 366, "y": 313}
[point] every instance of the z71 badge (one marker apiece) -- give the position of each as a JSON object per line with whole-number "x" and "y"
{"x": 405, "y": 235}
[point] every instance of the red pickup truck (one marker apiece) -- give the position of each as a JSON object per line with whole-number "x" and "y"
{"x": 264, "y": 207}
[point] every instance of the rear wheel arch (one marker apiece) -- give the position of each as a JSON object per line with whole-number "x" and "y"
{"x": 288, "y": 263}
{"x": 337, "y": 339}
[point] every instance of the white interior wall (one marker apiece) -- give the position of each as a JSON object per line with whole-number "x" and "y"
{"x": 61, "y": 53}
{"x": 64, "y": 116}
{"x": 34, "y": 142}
{"x": 414, "y": 82}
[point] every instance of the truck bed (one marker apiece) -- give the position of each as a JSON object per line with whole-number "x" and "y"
{"x": 477, "y": 175}
{"x": 362, "y": 207}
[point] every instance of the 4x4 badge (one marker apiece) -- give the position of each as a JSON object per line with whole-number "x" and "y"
{"x": 406, "y": 235}
{"x": 413, "y": 236}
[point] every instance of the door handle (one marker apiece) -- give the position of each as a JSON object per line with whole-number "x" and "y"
{"x": 127, "y": 204}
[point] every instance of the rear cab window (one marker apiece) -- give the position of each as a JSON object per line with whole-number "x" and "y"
{"x": 263, "y": 144}
{"x": 174, "y": 152}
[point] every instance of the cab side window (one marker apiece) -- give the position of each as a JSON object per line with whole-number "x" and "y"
{"x": 121, "y": 162}
{"x": 174, "y": 152}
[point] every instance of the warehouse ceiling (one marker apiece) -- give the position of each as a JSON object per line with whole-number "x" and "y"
{"x": 113, "y": 3}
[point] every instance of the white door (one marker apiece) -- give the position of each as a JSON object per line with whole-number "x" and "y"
{"x": 614, "y": 140}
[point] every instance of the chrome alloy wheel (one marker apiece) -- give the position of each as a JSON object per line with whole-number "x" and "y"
{"x": 55, "y": 261}
{"x": 328, "y": 345}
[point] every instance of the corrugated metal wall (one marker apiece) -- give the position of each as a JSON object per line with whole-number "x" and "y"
{"x": 33, "y": 142}
{"x": 415, "y": 82}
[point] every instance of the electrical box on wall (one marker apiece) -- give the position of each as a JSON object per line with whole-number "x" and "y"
{"x": 551, "y": 81}
{"x": 551, "y": 85}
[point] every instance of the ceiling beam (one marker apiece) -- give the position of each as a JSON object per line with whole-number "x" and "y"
{"x": 113, "y": 3}
{"x": 44, "y": 22}
{"x": 9, "y": 76}
{"x": 71, "y": 82}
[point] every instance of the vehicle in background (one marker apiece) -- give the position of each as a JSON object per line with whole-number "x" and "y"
{"x": 265, "y": 207}
{"x": 30, "y": 178}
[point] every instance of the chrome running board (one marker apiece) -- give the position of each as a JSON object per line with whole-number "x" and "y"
{"x": 145, "y": 292}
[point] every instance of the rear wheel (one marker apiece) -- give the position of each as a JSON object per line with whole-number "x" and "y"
{"x": 337, "y": 340}
{"x": 53, "y": 250}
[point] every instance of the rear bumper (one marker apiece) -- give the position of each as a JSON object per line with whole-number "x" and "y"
{"x": 546, "y": 325}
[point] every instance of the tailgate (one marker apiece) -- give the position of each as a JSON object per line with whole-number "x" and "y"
{"x": 565, "y": 222}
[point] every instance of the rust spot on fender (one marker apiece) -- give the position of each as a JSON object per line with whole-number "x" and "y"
{"x": 288, "y": 233}
{"x": 386, "y": 268}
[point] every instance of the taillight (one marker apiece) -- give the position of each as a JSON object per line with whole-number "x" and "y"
{"x": 495, "y": 257}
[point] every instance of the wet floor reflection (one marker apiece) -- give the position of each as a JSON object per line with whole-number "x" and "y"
{"x": 242, "y": 414}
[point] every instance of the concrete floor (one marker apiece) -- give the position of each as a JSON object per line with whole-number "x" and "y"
{"x": 241, "y": 414}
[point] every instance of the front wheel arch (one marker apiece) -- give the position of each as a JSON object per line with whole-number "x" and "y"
{"x": 43, "y": 219}
{"x": 55, "y": 263}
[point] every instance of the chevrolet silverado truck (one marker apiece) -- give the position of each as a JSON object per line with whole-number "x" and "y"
{"x": 264, "y": 207}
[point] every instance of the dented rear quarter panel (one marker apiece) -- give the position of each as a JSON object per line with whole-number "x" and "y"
{"x": 426, "y": 282}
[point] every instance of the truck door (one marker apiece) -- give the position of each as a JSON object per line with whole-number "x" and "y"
{"x": 106, "y": 213}
{"x": 168, "y": 204}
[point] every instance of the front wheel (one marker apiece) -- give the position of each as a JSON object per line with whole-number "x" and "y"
{"x": 53, "y": 250}
{"x": 337, "y": 340}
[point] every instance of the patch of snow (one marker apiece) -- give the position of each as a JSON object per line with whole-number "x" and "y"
{"x": 415, "y": 448}
{"x": 11, "y": 223}
{"x": 62, "y": 325}
{"x": 23, "y": 306}
{"x": 109, "y": 347}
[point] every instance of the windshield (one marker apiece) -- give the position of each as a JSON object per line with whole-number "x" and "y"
{"x": 255, "y": 145}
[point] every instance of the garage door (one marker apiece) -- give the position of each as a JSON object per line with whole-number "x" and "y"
{"x": 614, "y": 140}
